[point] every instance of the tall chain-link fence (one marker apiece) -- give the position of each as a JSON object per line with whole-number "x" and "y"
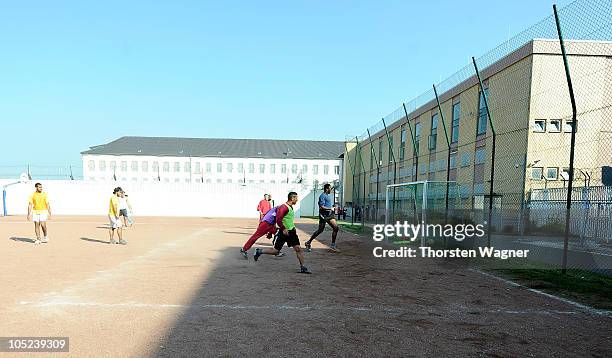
{"x": 525, "y": 132}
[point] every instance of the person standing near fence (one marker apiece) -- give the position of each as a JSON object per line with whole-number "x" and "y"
{"x": 326, "y": 216}
{"x": 39, "y": 211}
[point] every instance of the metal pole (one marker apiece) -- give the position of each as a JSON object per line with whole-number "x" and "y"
{"x": 424, "y": 211}
{"x": 392, "y": 156}
{"x": 364, "y": 184}
{"x": 4, "y": 201}
{"x": 449, "y": 151}
{"x": 572, "y": 144}
{"x": 486, "y": 103}
{"x": 353, "y": 185}
{"x": 414, "y": 147}
{"x": 377, "y": 177}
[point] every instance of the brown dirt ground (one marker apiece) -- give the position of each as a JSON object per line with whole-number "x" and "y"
{"x": 180, "y": 289}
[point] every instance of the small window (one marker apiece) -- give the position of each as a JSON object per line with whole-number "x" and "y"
{"x": 555, "y": 126}
{"x": 315, "y": 169}
{"x": 262, "y": 168}
{"x": 304, "y": 169}
{"x": 219, "y": 167}
{"x": 166, "y": 167}
{"x": 229, "y": 181}
{"x": 92, "y": 165}
{"x": 293, "y": 168}
{"x": 466, "y": 159}
{"x": 197, "y": 167}
{"x": 124, "y": 166}
{"x": 552, "y": 173}
{"x": 219, "y": 181}
{"x": 565, "y": 173}
{"x": 134, "y": 166}
{"x": 208, "y": 165}
{"x": 177, "y": 167}
{"x": 229, "y": 167}
{"x": 283, "y": 168}
{"x": 240, "y": 168}
{"x": 326, "y": 169}
{"x": 539, "y": 126}
{"x": 251, "y": 168}
{"x": 272, "y": 168}
{"x": 113, "y": 165}
{"x": 144, "y": 166}
{"x": 536, "y": 173}
{"x": 102, "y": 165}
{"x": 155, "y": 166}
{"x": 567, "y": 126}
{"x": 479, "y": 156}
{"x": 453, "y": 160}
{"x": 337, "y": 169}
{"x": 187, "y": 167}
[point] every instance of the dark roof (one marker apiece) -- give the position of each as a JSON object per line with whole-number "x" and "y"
{"x": 218, "y": 147}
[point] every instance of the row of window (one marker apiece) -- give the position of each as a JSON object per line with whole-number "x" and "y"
{"x": 432, "y": 142}
{"x": 177, "y": 167}
{"x": 552, "y": 126}
{"x": 198, "y": 180}
{"x": 550, "y": 173}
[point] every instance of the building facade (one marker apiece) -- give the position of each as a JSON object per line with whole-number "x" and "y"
{"x": 531, "y": 111}
{"x": 219, "y": 161}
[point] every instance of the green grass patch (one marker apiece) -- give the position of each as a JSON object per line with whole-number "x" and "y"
{"x": 582, "y": 286}
{"x": 356, "y": 228}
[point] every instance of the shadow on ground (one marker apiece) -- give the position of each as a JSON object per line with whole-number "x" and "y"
{"x": 356, "y": 305}
{"x": 95, "y": 240}
{"x": 23, "y": 239}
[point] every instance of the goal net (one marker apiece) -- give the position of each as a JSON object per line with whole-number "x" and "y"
{"x": 423, "y": 202}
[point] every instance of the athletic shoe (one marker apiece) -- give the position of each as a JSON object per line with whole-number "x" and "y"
{"x": 304, "y": 269}
{"x": 258, "y": 253}
{"x": 244, "y": 254}
{"x": 112, "y": 241}
{"x": 334, "y": 249}
{"x": 37, "y": 242}
{"x": 280, "y": 254}
{"x": 308, "y": 246}
{"x": 123, "y": 242}
{"x": 44, "y": 240}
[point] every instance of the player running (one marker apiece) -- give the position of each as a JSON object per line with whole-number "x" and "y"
{"x": 39, "y": 211}
{"x": 267, "y": 226}
{"x": 287, "y": 232}
{"x": 326, "y": 216}
{"x": 113, "y": 216}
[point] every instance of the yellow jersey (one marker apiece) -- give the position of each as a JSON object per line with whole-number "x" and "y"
{"x": 40, "y": 203}
{"x": 114, "y": 204}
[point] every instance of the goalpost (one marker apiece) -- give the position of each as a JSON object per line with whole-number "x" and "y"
{"x": 422, "y": 202}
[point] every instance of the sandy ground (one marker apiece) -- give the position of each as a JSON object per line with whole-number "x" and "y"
{"x": 181, "y": 289}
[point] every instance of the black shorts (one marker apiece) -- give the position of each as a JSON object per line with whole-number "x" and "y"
{"x": 123, "y": 212}
{"x": 325, "y": 216}
{"x": 291, "y": 240}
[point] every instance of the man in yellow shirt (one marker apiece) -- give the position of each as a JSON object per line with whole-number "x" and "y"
{"x": 113, "y": 216}
{"x": 39, "y": 211}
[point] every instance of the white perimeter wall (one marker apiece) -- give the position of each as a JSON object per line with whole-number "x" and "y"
{"x": 159, "y": 199}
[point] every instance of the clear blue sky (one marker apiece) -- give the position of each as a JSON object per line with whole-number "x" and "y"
{"x": 75, "y": 74}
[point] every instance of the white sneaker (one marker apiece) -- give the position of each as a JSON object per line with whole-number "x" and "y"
{"x": 44, "y": 240}
{"x": 37, "y": 242}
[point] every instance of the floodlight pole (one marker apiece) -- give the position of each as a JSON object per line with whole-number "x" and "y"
{"x": 414, "y": 146}
{"x": 572, "y": 144}
{"x": 448, "y": 157}
{"x": 377, "y": 178}
{"x": 486, "y": 103}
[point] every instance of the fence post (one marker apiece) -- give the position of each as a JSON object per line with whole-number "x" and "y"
{"x": 448, "y": 144}
{"x": 364, "y": 181}
{"x": 491, "y": 192}
{"x": 572, "y": 143}
{"x": 377, "y": 176}
{"x": 392, "y": 156}
{"x": 414, "y": 146}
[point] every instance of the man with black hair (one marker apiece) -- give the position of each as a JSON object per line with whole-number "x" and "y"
{"x": 39, "y": 211}
{"x": 326, "y": 216}
{"x": 113, "y": 216}
{"x": 287, "y": 233}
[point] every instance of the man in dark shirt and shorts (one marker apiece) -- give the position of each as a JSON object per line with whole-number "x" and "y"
{"x": 326, "y": 216}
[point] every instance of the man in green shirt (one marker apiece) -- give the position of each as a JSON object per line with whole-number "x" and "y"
{"x": 287, "y": 232}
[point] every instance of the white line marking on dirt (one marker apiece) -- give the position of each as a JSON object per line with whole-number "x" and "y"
{"x": 584, "y": 308}
{"x": 67, "y": 302}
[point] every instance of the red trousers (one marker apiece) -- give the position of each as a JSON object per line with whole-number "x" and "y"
{"x": 262, "y": 229}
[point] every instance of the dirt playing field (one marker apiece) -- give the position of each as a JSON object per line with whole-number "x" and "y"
{"x": 180, "y": 289}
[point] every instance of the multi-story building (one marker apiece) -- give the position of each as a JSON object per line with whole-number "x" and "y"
{"x": 206, "y": 160}
{"x": 531, "y": 110}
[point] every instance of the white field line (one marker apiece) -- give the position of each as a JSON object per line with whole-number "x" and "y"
{"x": 582, "y": 307}
{"x": 238, "y": 307}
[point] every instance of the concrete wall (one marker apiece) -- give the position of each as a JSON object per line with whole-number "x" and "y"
{"x": 159, "y": 199}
